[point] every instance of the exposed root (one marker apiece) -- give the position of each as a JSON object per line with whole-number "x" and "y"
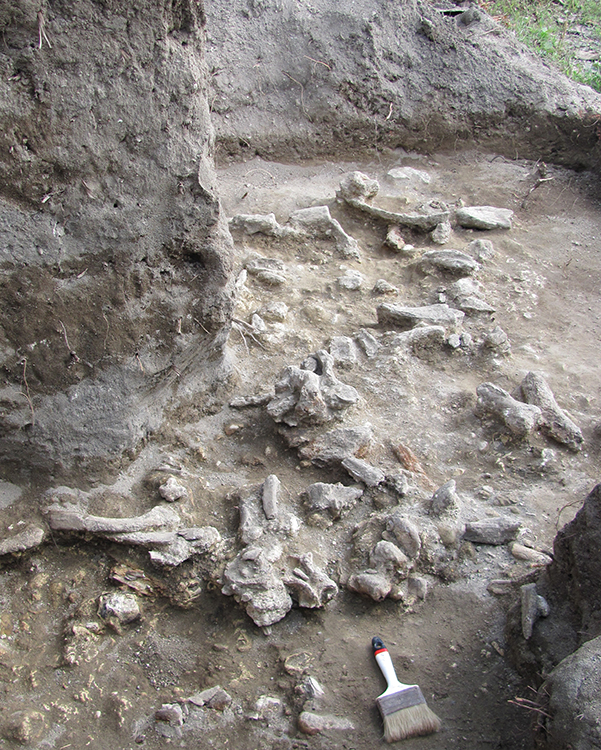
{"x": 27, "y": 394}
{"x": 42, "y": 36}
{"x": 242, "y": 327}
{"x": 317, "y": 62}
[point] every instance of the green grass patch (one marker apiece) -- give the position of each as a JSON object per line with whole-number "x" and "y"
{"x": 564, "y": 32}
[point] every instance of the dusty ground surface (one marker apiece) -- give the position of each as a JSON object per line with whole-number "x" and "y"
{"x": 543, "y": 284}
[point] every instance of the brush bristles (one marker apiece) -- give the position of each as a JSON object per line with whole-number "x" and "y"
{"x": 413, "y": 721}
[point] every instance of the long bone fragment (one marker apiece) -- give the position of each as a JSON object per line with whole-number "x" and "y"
{"x": 74, "y": 518}
{"x": 357, "y": 188}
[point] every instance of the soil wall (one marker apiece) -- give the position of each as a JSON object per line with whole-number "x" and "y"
{"x": 115, "y": 256}
{"x": 294, "y": 79}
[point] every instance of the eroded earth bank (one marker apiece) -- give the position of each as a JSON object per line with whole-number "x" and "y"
{"x": 343, "y": 384}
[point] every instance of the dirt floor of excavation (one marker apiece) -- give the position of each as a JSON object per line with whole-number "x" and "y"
{"x": 543, "y": 284}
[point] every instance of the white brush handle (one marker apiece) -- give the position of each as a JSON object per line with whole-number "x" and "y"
{"x": 386, "y": 666}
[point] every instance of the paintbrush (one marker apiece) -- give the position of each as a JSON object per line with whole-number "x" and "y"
{"x": 403, "y": 707}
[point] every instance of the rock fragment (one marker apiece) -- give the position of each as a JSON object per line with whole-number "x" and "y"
{"x": 271, "y": 278}
{"x": 268, "y": 709}
{"x": 312, "y": 723}
{"x": 497, "y": 339}
{"x": 268, "y": 270}
{"x": 482, "y": 250}
{"x": 231, "y": 428}
{"x": 256, "y": 223}
{"x": 119, "y": 606}
{"x": 29, "y": 538}
{"x": 484, "y": 217}
{"x": 357, "y": 185}
{"x": 555, "y": 422}
{"x": 171, "y": 713}
{"x": 466, "y": 340}
{"x": 256, "y": 263}
{"x": 472, "y": 305}
{"x": 395, "y": 241}
{"x": 466, "y": 294}
{"x": 214, "y": 697}
{"x": 498, "y": 530}
{"x": 362, "y": 471}
{"x": 257, "y": 323}
{"x": 406, "y": 533}
{"x": 450, "y": 261}
{"x": 368, "y": 342}
{"x": 374, "y": 584}
{"x": 334, "y": 446}
{"x": 333, "y": 498}
{"x": 274, "y": 312}
{"x": 405, "y": 318}
{"x": 318, "y": 221}
{"x": 521, "y": 419}
{"x": 445, "y": 499}
{"x": 534, "y": 606}
{"x": 344, "y": 351}
{"x": 173, "y": 490}
{"x": 385, "y": 287}
{"x": 441, "y": 234}
{"x": 387, "y": 556}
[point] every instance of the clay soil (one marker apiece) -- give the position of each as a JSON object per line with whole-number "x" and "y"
{"x": 543, "y": 284}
